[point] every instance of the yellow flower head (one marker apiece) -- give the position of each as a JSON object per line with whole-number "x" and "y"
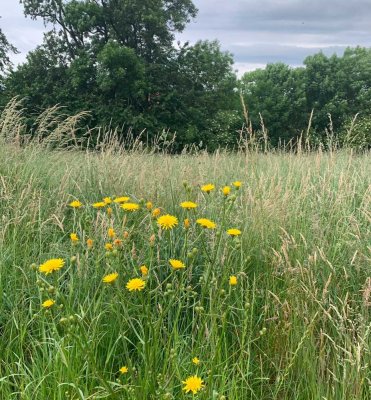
{"x": 130, "y": 207}
{"x": 233, "y": 280}
{"x": 75, "y": 204}
{"x": 111, "y": 233}
{"x": 109, "y": 211}
{"x": 122, "y": 199}
{"x": 149, "y": 205}
{"x": 226, "y": 190}
{"x": 100, "y": 204}
{"x": 74, "y": 238}
{"x": 188, "y": 205}
{"x": 108, "y": 246}
{"x": 117, "y": 242}
{"x": 89, "y": 243}
{"x": 144, "y": 270}
{"x": 207, "y": 188}
{"x": 176, "y": 264}
{"x": 135, "y": 284}
{"x": 124, "y": 369}
{"x": 107, "y": 200}
{"x": 193, "y": 384}
{"x": 195, "y": 360}
{"x": 156, "y": 212}
{"x": 186, "y": 223}
{"x": 167, "y": 221}
{"x": 206, "y": 223}
{"x": 48, "y": 303}
{"x": 237, "y": 184}
{"x": 126, "y": 234}
{"x": 51, "y": 265}
{"x": 110, "y": 278}
{"x": 234, "y": 232}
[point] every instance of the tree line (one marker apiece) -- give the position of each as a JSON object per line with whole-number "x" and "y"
{"x": 118, "y": 60}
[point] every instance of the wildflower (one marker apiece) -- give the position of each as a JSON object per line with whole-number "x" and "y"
{"x": 51, "y": 265}
{"x": 167, "y": 221}
{"x": 124, "y": 369}
{"x": 188, "y": 205}
{"x": 206, "y": 223}
{"x": 195, "y": 360}
{"x": 207, "y": 188}
{"x": 156, "y": 212}
{"x": 74, "y": 238}
{"x": 149, "y": 205}
{"x": 117, "y": 242}
{"x": 130, "y": 207}
{"x": 110, "y": 278}
{"x": 122, "y": 199}
{"x": 89, "y": 243}
{"x": 48, "y": 303}
{"x": 144, "y": 270}
{"x": 107, "y": 200}
{"x": 111, "y": 233}
{"x": 100, "y": 204}
{"x": 193, "y": 384}
{"x": 186, "y": 223}
{"x": 135, "y": 284}
{"x": 176, "y": 264}
{"x": 75, "y": 204}
{"x": 234, "y": 232}
{"x": 237, "y": 184}
{"x": 109, "y": 211}
{"x": 226, "y": 190}
{"x": 126, "y": 234}
{"x": 108, "y": 246}
{"x": 233, "y": 280}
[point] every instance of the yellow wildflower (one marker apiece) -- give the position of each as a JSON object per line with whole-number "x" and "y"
{"x": 110, "y": 277}
{"x": 108, "y": 246}
{"x": 117, "y": 242}
{"x": 48, "y": 303}
{"x": 195, "y": 360}
{"x": 100, "y": 204}
{"x": 176, "y": 264}
{"x": 122, "y": 199}
{"x": 207, "y": 188}
{"x": 149, "y": 205}
{"x": 226, "y": 190}
{"x": 144, "y": 270}
{"x": 167, "y": 221}
{"x": 193, "y": 384}
{"x": 75, "y": 204}
{"x": 111, "y": 233}
{"x": 233, "y": 280}
{"x": 51, "y": 265}
{"x": 135, "y": 284}
{"x": 124, "y": 369}
{"x": 156, "y": 212}
{"x": 107, "y": 200}
{"x": 74, "y": 238}
{"x": 130, "y": 207}
{"x": 206, "y": 223}
{"x": 234, "y": 232}
{"x": 188, "y": 205}
{"x": 186, "y": 223}
{"x": 89, "y": 243}
{"x": 237, "y": 184}
{"x": 109, "y": 211}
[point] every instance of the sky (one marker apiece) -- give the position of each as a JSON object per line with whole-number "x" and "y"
{"x": 256, "y": 32}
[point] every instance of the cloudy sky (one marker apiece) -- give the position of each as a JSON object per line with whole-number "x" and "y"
{"x": 256, "y": 32}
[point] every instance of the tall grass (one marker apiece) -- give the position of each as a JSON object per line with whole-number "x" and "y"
{"x": 296, "y": 326}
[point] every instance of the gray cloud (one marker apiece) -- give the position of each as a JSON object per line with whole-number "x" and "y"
{"x": 256, "y": 32}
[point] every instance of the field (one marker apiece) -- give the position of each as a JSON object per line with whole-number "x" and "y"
{"x": 281, "y": 311}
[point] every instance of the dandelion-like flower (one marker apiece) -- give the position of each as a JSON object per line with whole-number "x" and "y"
{"x": 143, "y": 270}
{"x": 233, "y": 280}
{"x": 48, "y": 303}
{"x": 176, "y": 264}
{"x": 208, "y": 188}
{"x": 135, "y": 284}
{"x": 186, "y": 223}
{"x": 110, "y": 278}
{"x": 74, "y": 238}
{"x": 149, "y": 205}
{"x": 117, "y": 242}
{"x": 206, "y": 223}
{"x": 99, "y": 204}
{"x": 89, "y": 243}
{"x": 167, "y": 221}
{"x": 226, "y": 190}
{"x": 237, "y": 184}
{"x": 51, "y": 265}
{"x": 75, "y": 204}
{"x": 188, "y": 205}
{"x": 109, "y": 211}
{"x": 108, "y": 246}
{"x": 122, "y": 199}
{"x": 124, "y": 369}
{"x": 107, "y": 200}
{"x": 111, "y": 233}
{"x": 156, "y": 212}
{"x": 234, "y": 232}
{"x": 193, "y": 384}
{"x": 195, "y": 360}
{"x": 131, "y": 207}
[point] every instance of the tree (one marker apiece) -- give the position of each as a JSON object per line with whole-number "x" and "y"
{"x": 5, "y": 49}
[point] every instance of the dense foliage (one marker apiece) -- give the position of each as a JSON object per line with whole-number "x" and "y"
{"x": 117, "y": 59}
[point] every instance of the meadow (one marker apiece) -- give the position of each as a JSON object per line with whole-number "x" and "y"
{"x": 111, "y": 289}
